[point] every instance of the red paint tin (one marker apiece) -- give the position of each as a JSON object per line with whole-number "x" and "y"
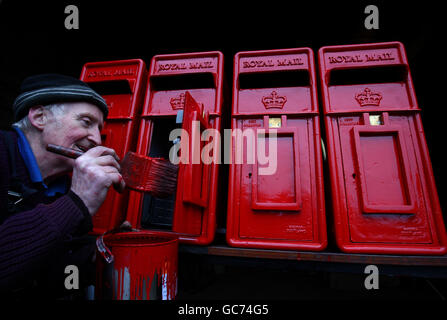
{"x": 144, "y": 267}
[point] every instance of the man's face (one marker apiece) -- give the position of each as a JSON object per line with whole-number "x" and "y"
{"x": 78, "y": 127}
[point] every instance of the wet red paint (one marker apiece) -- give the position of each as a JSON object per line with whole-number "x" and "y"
{"x": 145, "y": 266}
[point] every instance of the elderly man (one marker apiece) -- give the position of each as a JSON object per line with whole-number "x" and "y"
{"x": 45, "y": 215}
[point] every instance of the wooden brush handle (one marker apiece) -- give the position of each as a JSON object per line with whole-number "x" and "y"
{"x": 64, "y": 151}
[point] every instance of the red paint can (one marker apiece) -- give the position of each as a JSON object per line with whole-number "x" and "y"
{"x": 144, "y": 267}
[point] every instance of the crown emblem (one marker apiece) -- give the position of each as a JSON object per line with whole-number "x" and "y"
{"x": 368, "y": 98}
{"x": 178, "y": 102}
{"x": 274, "y": 101}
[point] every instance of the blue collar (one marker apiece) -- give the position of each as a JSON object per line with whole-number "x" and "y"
{"x": 58, "y": 186}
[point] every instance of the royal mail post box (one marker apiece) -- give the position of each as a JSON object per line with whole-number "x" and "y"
{"x": 383, "y": 191}
{"x": 122, "y": 84}
{"x": 276, "y": 197}
{"x": 183, "y": 101}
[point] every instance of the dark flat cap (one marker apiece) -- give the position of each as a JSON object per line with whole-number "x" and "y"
{"x": 44, "y": 89}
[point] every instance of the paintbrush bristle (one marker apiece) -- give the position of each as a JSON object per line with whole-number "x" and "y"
{"x": 157, "y": 176}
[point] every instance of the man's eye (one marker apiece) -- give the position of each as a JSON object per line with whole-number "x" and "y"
{"x": 86, "y": 122}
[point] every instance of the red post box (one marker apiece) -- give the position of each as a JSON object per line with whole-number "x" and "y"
{"x": 184, "y": 92}
{"x": 276, "y": 205}
{"x": 383, "y": 191}
{"x": 121, "y": 83}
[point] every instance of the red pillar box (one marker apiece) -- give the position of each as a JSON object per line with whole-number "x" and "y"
{"x": 122, "y": 84}
{"x": 276, "y": 195}
{"x": 184, "y": 92}
{"x": 383, "y": 190}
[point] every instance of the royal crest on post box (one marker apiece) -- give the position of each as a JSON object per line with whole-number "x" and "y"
{"x": 122, "y": 84}
{"x": 274, "y": 101}
{"x": 276, "y": 197}
{"x": 384, "y": 197}
{"x": 368, "y": 98}
{"x": 183, "y": 100}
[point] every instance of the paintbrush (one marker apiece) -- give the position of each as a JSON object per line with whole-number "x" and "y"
{"x": 157, "y": 176}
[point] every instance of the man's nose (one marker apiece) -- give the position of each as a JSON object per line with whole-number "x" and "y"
{"x": 95, "y": 137}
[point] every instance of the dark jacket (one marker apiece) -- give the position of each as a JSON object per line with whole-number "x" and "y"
{"x": 38, "y": 243}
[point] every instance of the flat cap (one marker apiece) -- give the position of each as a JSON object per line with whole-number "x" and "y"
{"x": 44, "y": 89}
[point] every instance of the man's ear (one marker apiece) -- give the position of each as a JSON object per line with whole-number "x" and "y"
{"x": 37, "y": 117}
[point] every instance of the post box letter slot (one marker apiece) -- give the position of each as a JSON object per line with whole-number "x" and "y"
{"x": 112, "y": 87}
{"x": 274, "y": 79}
{"x": 363, "y": 75}
{"x": 186, "y": 81}
{"x": 383, "y": 171}
{"x": 118, "y": 96}
{"x": 195, "y": 172}
{"x": 280, "y": 188}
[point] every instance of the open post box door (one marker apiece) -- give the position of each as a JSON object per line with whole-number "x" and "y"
{"x": 193, "y": 182}
{"x": 383, "y": 191}
{"x": 276, "y": 197}
{"x": 122, "y": 84}
{"x": 184, "y": 94}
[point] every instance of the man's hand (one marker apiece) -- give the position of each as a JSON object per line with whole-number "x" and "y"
{"x": 93, "y": 173}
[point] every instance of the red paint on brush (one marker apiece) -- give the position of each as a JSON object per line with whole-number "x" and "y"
{"x": 155, "y": 175}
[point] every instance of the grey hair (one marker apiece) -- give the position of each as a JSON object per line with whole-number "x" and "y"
{"x": 56, "y": 110}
